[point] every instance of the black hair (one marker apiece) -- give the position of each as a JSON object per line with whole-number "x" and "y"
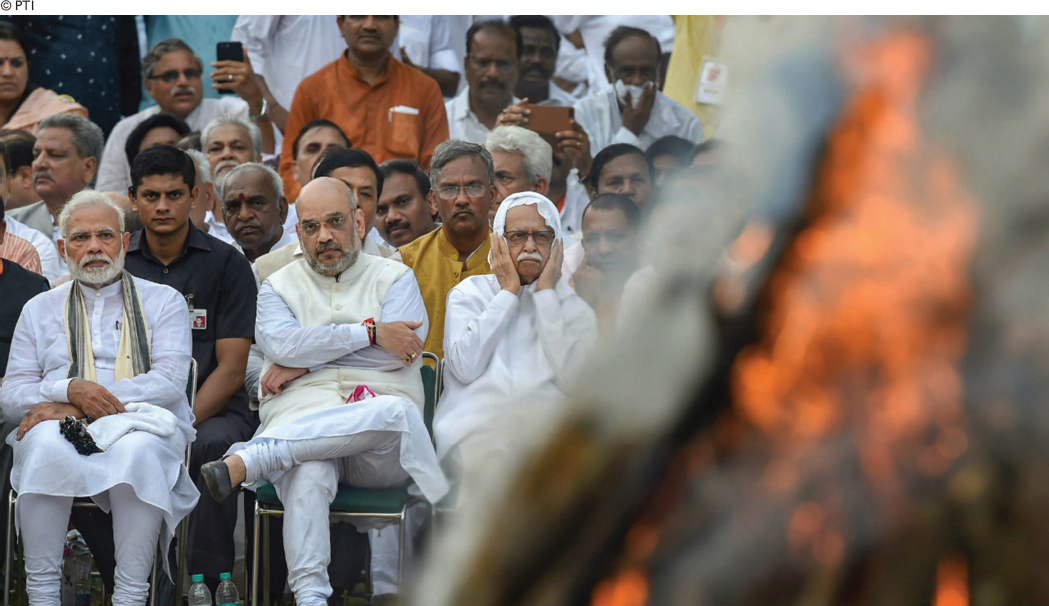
{"x": 162, "y": 160}
{"x": 349, "y": 158}
{"x": 161, "y": 120}
{"x": 19, "y": 145}
{"x": 10, "y": 31}
{"x": 499, "y": 26}
{"x": 622, "y": 33}
{"x": 612, "y": 152}
{"x": 537, "y": 22}
{"x": 312, "y": 125}
{"x": 410, "y": 168}
{"x": 615, "y": 202}
{"x": 681, "y": 149}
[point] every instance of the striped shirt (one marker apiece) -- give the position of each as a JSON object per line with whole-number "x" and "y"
{"x": 19, "y": 250}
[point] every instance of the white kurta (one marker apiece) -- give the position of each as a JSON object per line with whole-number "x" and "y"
{"x": 595, "y": 30}
{"x": 598, "y": 113}
{"x": 332, "y": 354}
{"x": 284, "y": 49}
{"x": 45, "y": 463}
{"x": 498, "y": 346}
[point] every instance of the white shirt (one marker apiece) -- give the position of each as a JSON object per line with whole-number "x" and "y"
{"x": 428, "y": 41}
{"x": 595, "y": 29}
{"x": 114, "y": 172}
{"x": 279, "y": 334}
{"x": 37, "y": 369}
{"x": 284, "y": 49}
{"x": 51, "y": 266}
{"x": 576, "y": 199}
{"x": 573, "y": 65}
{"x": 499, "y": 346}
{"x": 598, "y": 113}
{"x": 557, "y": 96}
{"x": 462, "y": 123}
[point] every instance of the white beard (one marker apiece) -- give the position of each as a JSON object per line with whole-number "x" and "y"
{"x": 97, "y": 276}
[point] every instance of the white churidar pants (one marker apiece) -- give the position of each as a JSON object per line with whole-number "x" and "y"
{"x": 312, "y": 470}
{"x": 43, "y": 521}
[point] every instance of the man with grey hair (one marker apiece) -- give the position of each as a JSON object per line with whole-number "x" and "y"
{"x": 523, "y": 162}
{"x": 206, "y": 197}
{"x": 462, "y": 178}
{"x": 120, "y": 362}
{"x": 230, "y": 140}
{"x": 519, "y": 331}
{"x": 66, "y": 156}
{"x": 172, "y": 72}
{"x": 254, "y": 207}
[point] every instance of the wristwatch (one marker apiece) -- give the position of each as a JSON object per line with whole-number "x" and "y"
{"x": 262, "y": 114}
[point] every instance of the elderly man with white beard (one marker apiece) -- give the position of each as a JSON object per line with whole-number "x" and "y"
{"x": 341, "y": 389}
{"x": 520, "y": 330}
{"x": 113, "y": 350}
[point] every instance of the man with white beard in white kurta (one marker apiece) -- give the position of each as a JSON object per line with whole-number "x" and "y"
{"x": 98, "y": 348}
{"x": 342, "y": 394}
{"x": 519, "y": 330}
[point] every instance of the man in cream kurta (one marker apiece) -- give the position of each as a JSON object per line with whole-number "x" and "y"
{"x": 335, "y": 327}
{"x": 519, "y": 330}
{"x": 140, "y": 476}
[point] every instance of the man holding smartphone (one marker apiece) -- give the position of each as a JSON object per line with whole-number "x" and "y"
{"x": 172, "y": 75}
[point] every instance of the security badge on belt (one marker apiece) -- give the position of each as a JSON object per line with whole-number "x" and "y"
{"x": 198, "y": 318}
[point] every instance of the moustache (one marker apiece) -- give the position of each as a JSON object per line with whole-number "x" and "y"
{"x": 183, "y": 89}
{"x": 493, "y": 84}
{"x": 328, "y": 246}
{"x": 529, "y": 256}
{"x": 92, "y": 258}
{"x": 43, "y": 173}
{"x": 537, "y": 68}
{"x": 399, "y": 224}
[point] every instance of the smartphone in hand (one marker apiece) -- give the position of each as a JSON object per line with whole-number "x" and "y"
{"x": 229, "y": 51}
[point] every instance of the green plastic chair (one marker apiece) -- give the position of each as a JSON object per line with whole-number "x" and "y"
{"x": 350, "y": 502}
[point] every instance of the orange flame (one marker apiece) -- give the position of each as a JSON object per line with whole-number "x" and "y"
{"x": 952, "y": 581}
{"x": 628, "y": 588}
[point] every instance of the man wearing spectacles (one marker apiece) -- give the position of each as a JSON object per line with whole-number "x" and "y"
{"x": 172, "y": 73}
{"x": 462, "y": 177}
{"x": 516, "y": 335}
{"x": 491, "y": 66}
{"x": 342, "y": 394}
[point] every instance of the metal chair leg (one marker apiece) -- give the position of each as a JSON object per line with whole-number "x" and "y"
{"x": 9, "y": 547}
{"x": 266, "y": 561}
{"x": 255, "y": 560}
{"x": 400, "y": 553}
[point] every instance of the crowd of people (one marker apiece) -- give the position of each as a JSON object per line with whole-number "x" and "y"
{"x": 364, "y": 192}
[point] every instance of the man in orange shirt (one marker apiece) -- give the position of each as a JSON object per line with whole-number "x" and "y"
{"x": 387, "y": 108}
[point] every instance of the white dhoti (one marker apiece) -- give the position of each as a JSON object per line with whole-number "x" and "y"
{"x": 380, "y": 442}
{"x": 140, "y": 478}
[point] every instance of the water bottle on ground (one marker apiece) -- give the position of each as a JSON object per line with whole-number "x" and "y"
{"x": 83, "y": 579}
{"x": 199, "y": 594}
{"x": 226, "y": 593}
